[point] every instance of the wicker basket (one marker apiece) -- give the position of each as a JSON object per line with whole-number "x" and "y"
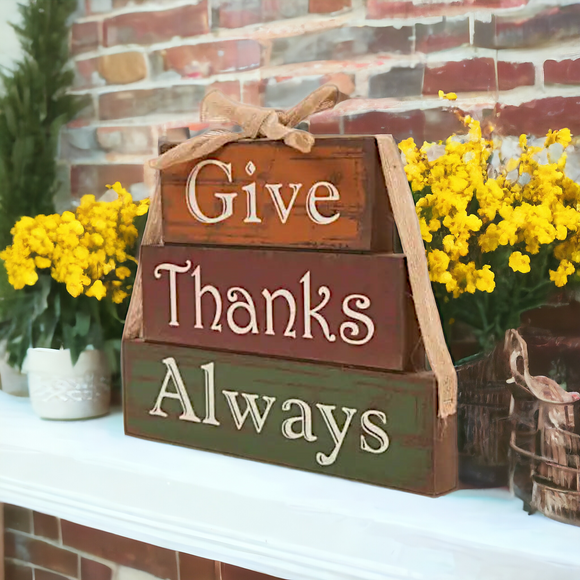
{"x": 483, "y": 409}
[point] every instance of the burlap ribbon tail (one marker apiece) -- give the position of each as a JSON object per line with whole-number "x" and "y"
{"x": 256, "y": 122}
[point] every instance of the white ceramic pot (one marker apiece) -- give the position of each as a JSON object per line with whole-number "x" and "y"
{"x": 12, "y": 381}
{"x": 60, "y": 391}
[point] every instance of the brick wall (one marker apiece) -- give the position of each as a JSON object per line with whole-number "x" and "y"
{"x": 41, "y": 547}
{"x": 148, "y": 64}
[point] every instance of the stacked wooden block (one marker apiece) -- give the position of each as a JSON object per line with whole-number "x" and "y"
{"x": 277, "y": 321}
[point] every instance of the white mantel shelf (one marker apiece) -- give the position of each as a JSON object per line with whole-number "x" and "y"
{"x": 287, "y": 523}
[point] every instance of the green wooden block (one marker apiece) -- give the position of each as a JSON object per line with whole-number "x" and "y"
{"x": 376, "y": 427}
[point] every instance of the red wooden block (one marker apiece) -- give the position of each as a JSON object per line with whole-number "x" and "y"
{"x": 339, "y": 308}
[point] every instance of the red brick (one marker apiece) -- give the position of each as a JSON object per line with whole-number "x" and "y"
{"x": 230, "y": 572}
{"x": 85, "y": 117}
{"x": 229, "y": 88}
{"x": 539, "y": 116}
{"x": 281, "y": 9}
{"x": 397, "y": 83}
{"x": 413, "y": 9}
{"x": 401, "y": 125}
{"x": 441, "y": 123}
{"x": 40, "y": 553}
{"x": 409, "y": 9}
{"x": 511, "y": 75}
{"x": 124, "y": 551}
{"x": 564, "y": 72}
{"x": 325, "y": 124}
{"x": 17, "y": 518}
{"x": 138, "y": 103}
{"x": 498, "y": 4}
{"x": 283, "y": 93}
{"x": 45, "y": 575}
{"x": 211, "y": 58}
{"x": 17, "y": 571}
{"x": 84, "y": 36}
{"x": 123, "y": 3}
{"x": 441, "y": 35}
{"x": 93, "y": 179}
{"x": 91, "y": 570}
{"x": 341, "y": 44}
{"x": 476, "y": 74}
{"x": 126, "y": 140}
{"x": 46, "y": 526}
{"x": 253, "y": 92}
{"x": 194, "y": 567}
{"x": 86, "y": 70}
{"x": 530, "y": 28}
{"x": 233, "y": 14}
{"x": 327, "y": 6}
{"x": 150, "y": 27}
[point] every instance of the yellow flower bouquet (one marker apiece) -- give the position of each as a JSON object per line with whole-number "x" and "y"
{"x": 501, "y": 228}
{"x": 72, "y": 274}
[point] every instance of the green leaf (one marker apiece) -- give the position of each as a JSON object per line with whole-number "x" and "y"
{"x": 83, "y": 323}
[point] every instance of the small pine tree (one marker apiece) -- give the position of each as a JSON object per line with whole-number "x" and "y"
{"x": 33, "y": 108}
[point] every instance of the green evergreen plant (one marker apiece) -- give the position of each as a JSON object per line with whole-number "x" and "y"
{"x": 34, "y": 106}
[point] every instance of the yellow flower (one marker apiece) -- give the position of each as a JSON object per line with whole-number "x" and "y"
{"x": 122, "y": 272}
{"x": 97, "y": 290}
{"x": 448, "y": 96}
{"x": 560, "y": 276}
{"x": 485, "y": 281}
{"x": 42, "y": 262}
{"x": 518, "y": 262}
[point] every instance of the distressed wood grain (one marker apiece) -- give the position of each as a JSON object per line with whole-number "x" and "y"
{"x": 282, "y": 180}
{"x": 337, "y": 307}
{"x": 405, "y": 447}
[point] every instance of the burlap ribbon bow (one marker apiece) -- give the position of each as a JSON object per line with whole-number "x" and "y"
{"x": 256, "y": 122}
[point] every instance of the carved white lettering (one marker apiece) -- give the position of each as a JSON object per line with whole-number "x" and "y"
{"x": 352, "y": 328}
{"x": 282, "y": 209}
{"x": 246, "y": 304}
{"x": 312, "y": 199}
{"x": 252, "y": 215}
{"x": 304, "y": 421}
{"x": 338, "y": 435}
{"x": 174, "y": 375}
{"x": 269, "y": 298}
{"x": 227, "y": 199}
{"x": 209, "y": 381}
{"x": 258, "y": 418}
{"x": 374, "y": 431}
{"x": 173, "y": 270}
{"x": 310, "y": 313}
{"x": 199, "y": 291}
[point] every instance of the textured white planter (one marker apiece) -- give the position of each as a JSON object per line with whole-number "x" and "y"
{"x": 60, "y": 391}
{"x": 12, "y": 381}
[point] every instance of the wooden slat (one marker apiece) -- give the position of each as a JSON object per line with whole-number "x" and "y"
{"x": 350, "y": 165}
{"x": 386, "y": 339}
{"x": 418, "y": 456}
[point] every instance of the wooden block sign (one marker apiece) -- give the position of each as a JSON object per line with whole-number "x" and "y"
{"x": 375, "y": 427}
{"x": 328, "y": 307}
{"x": 275, "y": 320}
{"x": 264, "y": 193}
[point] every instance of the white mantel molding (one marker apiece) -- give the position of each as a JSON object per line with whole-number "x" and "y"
{"x": 287, "y": 523}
